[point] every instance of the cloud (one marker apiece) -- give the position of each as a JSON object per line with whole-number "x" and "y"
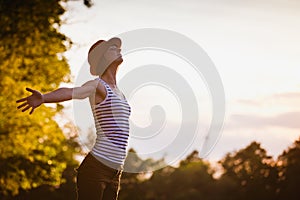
{"x": 287, "y": 95}
{"x": 290, "y": 99}
{"x": 284, "y": 120}
{"x": 274, "y": 140}
{"x": 248, "y": 102}
{"x": 276, "y": 110}
{"x": 288, "y": 120}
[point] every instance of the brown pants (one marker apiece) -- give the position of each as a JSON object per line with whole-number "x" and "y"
{"x": 96, "y": 181}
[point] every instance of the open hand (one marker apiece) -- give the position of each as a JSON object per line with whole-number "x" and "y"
{"x": 33, "y": 101}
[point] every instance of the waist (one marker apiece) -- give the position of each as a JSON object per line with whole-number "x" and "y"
{"x": 102, "y": 162}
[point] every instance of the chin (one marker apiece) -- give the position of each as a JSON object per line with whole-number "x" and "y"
{"x": 119, "y": 59}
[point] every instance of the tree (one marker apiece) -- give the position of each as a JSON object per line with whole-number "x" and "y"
{"x": 252, "y": 172}
{"x": 191, "y": 180}
{"x": 34, "y": 150}
{"x": 289, "y": 165}
{"x": 137, "y": 171}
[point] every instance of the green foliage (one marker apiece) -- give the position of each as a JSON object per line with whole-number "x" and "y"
{"x": 247, "y": 174}
{"x": 253, "y": 172}
{"x": 36, "y": 159}
{"x": 131, "y": 182}
{"x": 289, "y": 165}
{"x": 191, "y": 180}
{"x": 135, "y": 164}
{"x": 33, "y": 149}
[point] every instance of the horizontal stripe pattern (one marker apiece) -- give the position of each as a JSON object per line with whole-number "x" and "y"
{"x": 112, "y": 125}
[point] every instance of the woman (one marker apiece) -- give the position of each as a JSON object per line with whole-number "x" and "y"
{"x": 100, "y": 172}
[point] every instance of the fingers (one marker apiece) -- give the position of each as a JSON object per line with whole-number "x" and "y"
{"x": 26, "y": 108}
{"x": 26, "y": 105}
{"x": 30, "y": 90}
{"x": 25, "y": 98}
{"x": 31, "y": 111}
{"x": 22, "y": 105}
{"x": 21, "y": 100}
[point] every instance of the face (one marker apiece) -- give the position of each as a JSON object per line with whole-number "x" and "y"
{"x": 113, "y": 54}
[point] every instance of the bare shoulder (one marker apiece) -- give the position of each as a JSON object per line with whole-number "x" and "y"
{"x": 99, "y": 88}
{"x": 96, "y": 84}
{"x": 93, "y": 83}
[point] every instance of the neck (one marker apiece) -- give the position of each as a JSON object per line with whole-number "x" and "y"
{"x": 109, "y": 76}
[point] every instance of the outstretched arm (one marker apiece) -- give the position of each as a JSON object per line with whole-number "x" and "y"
{"x": 62, "y": 94}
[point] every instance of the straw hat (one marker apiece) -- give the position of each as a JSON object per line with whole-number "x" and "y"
{"x": 95, "y": 56}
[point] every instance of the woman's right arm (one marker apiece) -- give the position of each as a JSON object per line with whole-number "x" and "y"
{"x": 62, "y": 94}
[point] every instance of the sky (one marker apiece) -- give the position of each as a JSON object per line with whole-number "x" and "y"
{"x": 254, "y": 46}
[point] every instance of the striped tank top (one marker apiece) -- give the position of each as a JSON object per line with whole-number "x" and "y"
{"x": 112, "y": 128}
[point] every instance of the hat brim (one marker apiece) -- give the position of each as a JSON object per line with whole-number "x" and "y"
{"x": 114, "y": 41}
